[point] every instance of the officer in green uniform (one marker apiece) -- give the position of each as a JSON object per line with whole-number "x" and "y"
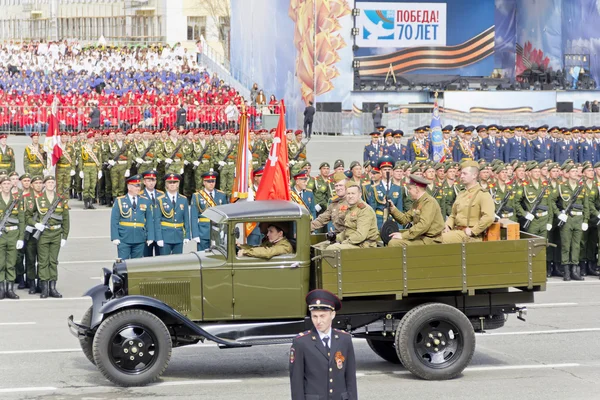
{"x": 54, "y": 234}
{"x": 589, "y": 238}
{"x": 34, "y": 156}
{"x": 275, "y": 244}
{"x": 105, "y": 182}
{"x": 132, "y": 221}
{"x": 499, "y": 189}
{"x": 78, "y": 141}
{"x": 37, "y": 186}
{"x": 143, "y": 153}
{"x": 575, "y": 222}
{"x": 90, "y": 160}
{"x": 119, "y": 161}
{"x": 7, "y": 154}
{"x": 65, "y": 166}
{"x": 11, "y": 237}
{"x": 171, "y": 219}
{"x": 297, "y": 153}
{"x": 225, "y": 156}
{"x": 322, "y": 189}
{"x": 332, "y": 219}
{"x": 201, "y": 154}
{"x": 20, "y": 266}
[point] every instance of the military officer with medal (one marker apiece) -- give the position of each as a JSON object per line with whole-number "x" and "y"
{"x": 172, "y": 221}
{"x": 203, "y": 199}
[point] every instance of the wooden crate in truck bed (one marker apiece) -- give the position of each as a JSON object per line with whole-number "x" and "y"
{"x": 434, "y": 268}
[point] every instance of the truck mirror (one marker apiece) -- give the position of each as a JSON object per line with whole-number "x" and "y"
{"x": 236, "y": 232}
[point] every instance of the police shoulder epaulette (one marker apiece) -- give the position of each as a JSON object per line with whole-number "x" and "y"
{"x": 182, "y": 196}
{"x": 341, "y": 331}
{"x": 160, "y": 191}
{"x": 303, "y": 333}
{"x": 142, "y": 196}
{"x": 361, "y": 205}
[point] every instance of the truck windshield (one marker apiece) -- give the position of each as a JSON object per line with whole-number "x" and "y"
{"x": 218, "y": 237}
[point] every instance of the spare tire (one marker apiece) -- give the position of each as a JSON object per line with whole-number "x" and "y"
{"x": 490, "y": 322}
{"x": 385, "y": 349}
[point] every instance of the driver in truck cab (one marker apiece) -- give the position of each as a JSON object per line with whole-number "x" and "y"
{"x": 275, "y": 244}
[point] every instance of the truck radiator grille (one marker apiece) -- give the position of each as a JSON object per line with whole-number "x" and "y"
{"x": 174, "y": 293}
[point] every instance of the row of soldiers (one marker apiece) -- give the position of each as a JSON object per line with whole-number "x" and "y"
{"x": 34, "y": 225}
{"x": 94, "y": 164}
{"x": 492, "y": 142}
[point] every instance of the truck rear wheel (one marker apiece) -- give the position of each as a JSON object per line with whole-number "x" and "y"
{"x": 86, "y": 342}
{"x": 435, "y": 341}
{"x": 385, "y": 349}
{"x": 132, "y": 348}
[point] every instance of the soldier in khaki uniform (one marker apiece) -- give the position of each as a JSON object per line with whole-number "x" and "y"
{"x": 473, "y": 210}
{"x": 7, "y": 155}
{"x": 65, "y": 167}
{"x": 11, "y": 239}
{"x": 34, "y": 156}
{"x": 90, "y": 160}
{"x": 275, "y": 245}
{"x": 333, "y": 216}
{"x": 119, "y": 168}
{"x": 425, "y": 216}
{"x": 360, "y": 223}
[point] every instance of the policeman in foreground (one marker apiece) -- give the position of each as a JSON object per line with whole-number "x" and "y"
{"x": 322, "y": 362}
{"x": 131, "y": 222}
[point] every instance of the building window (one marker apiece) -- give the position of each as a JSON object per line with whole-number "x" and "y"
{"x": 196, "y": 28}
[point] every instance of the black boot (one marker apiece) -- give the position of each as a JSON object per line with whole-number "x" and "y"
{"x": 102, "y": 201}
{"x": 2, "y": 290}
{"x": 10, "y": 291}
{"x": 583, "y": 268}
{"x": 79, "y": 197}
{"x": 566, "y": 272}
{"x": 44, "y": 286}
{"x": 91, "y": 204}
{"x": 53, "y": 292}
{"x": 558, "y": 271}
{"x": 575, "y": 273}
{"x": 548, "y": 269}
{"x": 592, "y": 268}
{"x": 72, "y": 193}
{"x": 31, "y": 286}
{"x": 20, "y": 282}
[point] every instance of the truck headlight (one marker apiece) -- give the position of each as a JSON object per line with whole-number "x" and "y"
{"x": 116, "y": 285}
{"x": 106, "y": 273}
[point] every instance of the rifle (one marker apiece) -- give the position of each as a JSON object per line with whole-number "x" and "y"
{"x": 146, "y": 150}
{"x": 226, "y": 156}
{"x": 300, "y": 150}
{"x": 7, "y": 214}
{"x": 436, "y": 191}
{"x": 504, "y": 201}
{"x": 119, "y": 154}
{"x": 177, "y": 149}
{"x": 571, "y": 203}
{"x": 202, "y": 155}
{"x": 534, "y": 206}
{"x": 389, "y": 225}
{"x": 50, "y": 212}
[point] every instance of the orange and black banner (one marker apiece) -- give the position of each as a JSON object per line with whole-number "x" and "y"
{"x": 439, "y": 57}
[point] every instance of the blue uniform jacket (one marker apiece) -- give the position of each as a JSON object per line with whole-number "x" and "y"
{"x": 587, "y": 152}
{"x": 371, "y": 152}
{"x": 564, "y": 150}
{"x": 542, "y": 150}
{"x": 201, "y": 201}
{"x": 517, "y": 149}
{"x": 395, "y": 151}
{"x": 129, "y": 225}
{"x": 172, "y": 221}
{"x": 489, "y": 149}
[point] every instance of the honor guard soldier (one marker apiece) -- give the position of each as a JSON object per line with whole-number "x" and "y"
{"x": 588, "y": 148}
{"x": 373, "y": 150}
{"x": 65, "y": 166}
{"x": 34, "y": 156}
{"x": 322, "y": 362}
{"x": 7, "y": 154}
{"x": 172, "y": 222}
{"x": 20, "y": 266}
{"x": 152, "y": 194}
{"x": 90, "y": 160}
{"x": 11, "y": 238}
{"x": 501, "y": 188}
{"x": 488, "y": 148}
{"x": 131, "y": 222}
{"x": 419, "y": 147}
{"x": 465, "y": 148}
{"x": 202, "y": 200}
{"x": 589, "y": 238}
{"x": 54, "y": 234}
{"x": 517, "y": 147}
{"x": 119, "y": 161}
{"x": 301, "y": 195}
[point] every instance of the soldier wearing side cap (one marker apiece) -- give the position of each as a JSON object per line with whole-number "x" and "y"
{"x": 322, "y": 188}
{"x": 333, "y": 216}
{"x": 322, "y": 362}
{"x": 11, "y": 239}
{"x": 275, "y": 244}
{"x": 500, "y": 188}
{"x": 202, "y": 200}
{"x": 132, "y": 221}
{"x": 589, "y": 238}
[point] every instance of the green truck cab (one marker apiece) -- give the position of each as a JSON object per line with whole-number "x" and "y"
{"x": 419, "y": 306}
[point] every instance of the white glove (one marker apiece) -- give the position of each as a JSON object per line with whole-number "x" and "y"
{"x": 168, "y": 161}
{"x": 292, "y": 162}
{"x": 161, "y": 243}
{"x": 181, "y": 171}
{"x": 196, "y": 239}
{"x": 40, "y": 227}
{"x": 116, "y": 242}
{"x": 185, "y": 162}
{"x": 127, "y": 173}
{"x": 20, "y": 244}
{"x": 185, "y": 241}
{"x": 598, "y": 216}
{"x": 196, "y": 163}
{"x": 584, "y": 227}
{"x": 111, "y": 163}
{"x": 149, "y": 242}
{"x": 496, "y": 216}
{"x": 81, "y": 174}
{"x": 548, "y": 227}
{"x": 222, "y": 163}
{"x": 318, "y": 207}
{"x": 99, "y": 174}
{"x": 563, "y": 217}
{"x": 529, "y": 217}
{"x": 139, "y": 160}
{"x": 45, "y": 172}
{"x": 29, "y": 229}
{"x": 63, "y": 242}
{"x": 72, "y": 172}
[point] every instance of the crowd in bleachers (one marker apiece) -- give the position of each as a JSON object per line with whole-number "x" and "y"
{"x": 115, "y": 87}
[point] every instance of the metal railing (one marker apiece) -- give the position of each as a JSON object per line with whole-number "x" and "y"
{"x": 217, "y": 62}
{"x": 353, "y": 123}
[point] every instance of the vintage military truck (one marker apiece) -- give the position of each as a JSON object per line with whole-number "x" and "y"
{"x": 419, "y": 306}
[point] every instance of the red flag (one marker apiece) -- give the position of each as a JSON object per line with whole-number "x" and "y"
{"x": 274, "y": 184}
{"x": 52, "y": 142}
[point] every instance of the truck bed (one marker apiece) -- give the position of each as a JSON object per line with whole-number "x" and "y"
{"x": 462, "y": 268}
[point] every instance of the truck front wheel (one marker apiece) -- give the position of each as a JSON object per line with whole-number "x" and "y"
{"x": 86, "y": 342}
{"x": 385, "y": 349}
{"x": 132, "y": 347}
{"x": 435, "y": 341}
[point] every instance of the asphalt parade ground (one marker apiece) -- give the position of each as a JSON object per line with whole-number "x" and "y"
{"x": 553, "y": 355}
